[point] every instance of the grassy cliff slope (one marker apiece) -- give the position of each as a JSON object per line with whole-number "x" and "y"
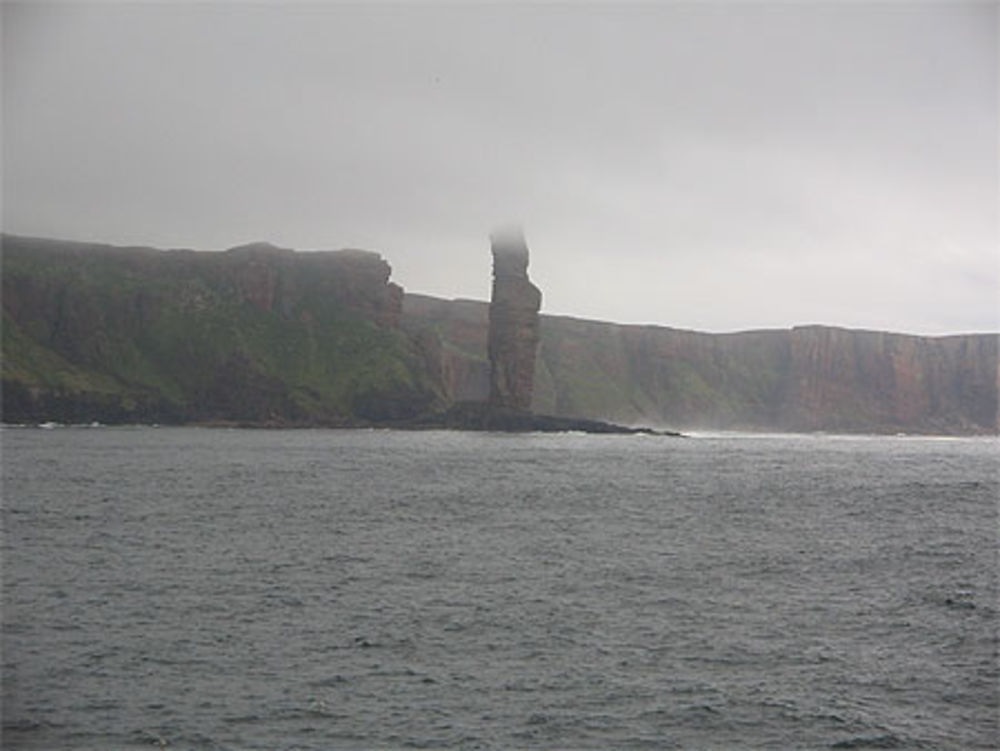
{"x": 255, "y": 334}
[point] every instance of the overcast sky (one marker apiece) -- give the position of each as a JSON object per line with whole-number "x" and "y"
{"x": 714, "y": 166}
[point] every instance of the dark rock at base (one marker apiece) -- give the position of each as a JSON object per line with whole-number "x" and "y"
{"x": 482, "y": 416}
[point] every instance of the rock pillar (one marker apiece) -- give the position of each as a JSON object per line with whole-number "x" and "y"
{"x": 513, "y": 337}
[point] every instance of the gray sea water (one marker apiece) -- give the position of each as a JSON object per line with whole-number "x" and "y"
{"x": 239, "y": 589}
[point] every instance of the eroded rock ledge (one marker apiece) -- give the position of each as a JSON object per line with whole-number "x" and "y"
{"x": 478, "y": 416}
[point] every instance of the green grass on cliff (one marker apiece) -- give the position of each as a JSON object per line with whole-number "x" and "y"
{"x": 175, "y": 329}
{"x": 26, "y": 361}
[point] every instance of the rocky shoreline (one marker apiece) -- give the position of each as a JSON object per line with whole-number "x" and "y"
{"x": 480, "y": 416}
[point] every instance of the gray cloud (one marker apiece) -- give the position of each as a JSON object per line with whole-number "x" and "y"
{"x": 711, "y": 166}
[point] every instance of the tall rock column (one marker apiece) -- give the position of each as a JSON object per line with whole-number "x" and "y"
{"x": 513, "y": 337}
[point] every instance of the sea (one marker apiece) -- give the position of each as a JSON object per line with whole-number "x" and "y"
{"x": 228, "y": 589}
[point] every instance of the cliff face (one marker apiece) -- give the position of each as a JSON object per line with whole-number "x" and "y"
{"x": 276, "y": 280}
{"x": 452, "y": 335}
{"x": 256, "y": 334}
{"x": 264, "y": 335}
{"x": 855, "y": 379}
{"x": 806, "y": 379}
{"x": 512, "y": 341}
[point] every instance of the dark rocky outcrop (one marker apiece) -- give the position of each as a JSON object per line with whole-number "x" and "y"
{"x": 513, "y": 328}
{"x": 483, "y": 416}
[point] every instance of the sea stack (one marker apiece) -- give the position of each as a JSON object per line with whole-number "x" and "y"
{"x": 513, "y": 337}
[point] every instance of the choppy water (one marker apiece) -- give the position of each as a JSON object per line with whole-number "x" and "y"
{"x": 223, "y": 589}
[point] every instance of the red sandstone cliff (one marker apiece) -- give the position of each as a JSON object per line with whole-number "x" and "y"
{"x": 812, "y": 378}
{"x": 274, "y": 279}
{"x": 843, "y": 379}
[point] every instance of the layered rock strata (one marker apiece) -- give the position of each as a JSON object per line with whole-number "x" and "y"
{"x": 809, "y": 378}
{"x": 513, "y": 324}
